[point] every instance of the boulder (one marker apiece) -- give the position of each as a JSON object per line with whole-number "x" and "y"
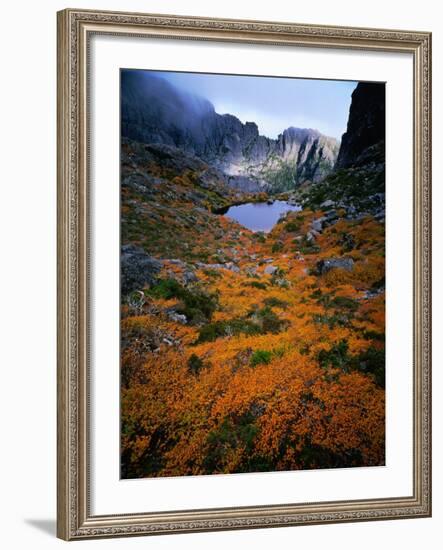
{"x": 323, "y": 266}
{"x": 137, "y": 268}
{"x": 310, "y": 237}
{"x": 317, "y": 225}
{"x": 232, "y": 267}
{"x": 180, "y": 263}
{"x": 271, "y": 269}
{"x": 189, "y": 277}
{"x": 176, "y": 317}
{"x": 331, "y": 215}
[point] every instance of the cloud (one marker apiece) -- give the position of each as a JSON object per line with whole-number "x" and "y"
{"x": 274, "y": 103}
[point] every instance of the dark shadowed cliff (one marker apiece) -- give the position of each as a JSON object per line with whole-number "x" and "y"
{"x": 358, "y": 181}
{"x": 366, "y": 124}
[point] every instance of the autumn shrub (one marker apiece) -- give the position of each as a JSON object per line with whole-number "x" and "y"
{"x": 260, "y": 237}
{"x": 212, "y": 273}
{"x": 308, "y": 247}
{"x": 369, "y": 273}
{"x": 242, "y": 386}
{"x": 348, "y": 242}
{"x": 343, "y": 302}
{"x": 329, "y": 301}
{"x": 139, "y": 337}
{"x": 293, "y": 225}
{"x": 272, "y": 301}
{"x": 261, "y": 321}
{"x": 338, "y": 276}
{"x": 279, "y": 281}
{"x": 317, "y": 294}
{"x": 255, "y": 284}
{"x": 332, "y": 321}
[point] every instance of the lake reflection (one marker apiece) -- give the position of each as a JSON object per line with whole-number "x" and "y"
{"x": 260, "y": 216}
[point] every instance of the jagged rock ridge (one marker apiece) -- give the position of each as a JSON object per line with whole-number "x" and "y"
{"x": 154, "y": 111}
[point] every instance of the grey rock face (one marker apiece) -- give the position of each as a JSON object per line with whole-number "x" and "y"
{"x": 229, "y": 265}
{"x": 244, "y": 184}
{"x": 154, "y": 111}
{"x": 232, "y": 267}
{"x": 270, "y": 269}
{"x": 310, "y": 237}
{"x": 317, "y": 225}
{"x": 176, "y": 317}
{"x": 323, "y": 266}
{"x": 189, "y": 277}
{"x": 137, "y": 268}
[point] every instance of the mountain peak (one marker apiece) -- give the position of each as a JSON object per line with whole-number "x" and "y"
{"x": 155, "y": 111}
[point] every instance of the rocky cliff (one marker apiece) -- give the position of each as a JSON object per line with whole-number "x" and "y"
{"x": 366, "y": 125}
{"x": 358, "y": 181}
{"x": 154, "y": 111}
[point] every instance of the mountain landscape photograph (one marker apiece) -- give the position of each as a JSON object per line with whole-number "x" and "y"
{"x": 252, "y": 268}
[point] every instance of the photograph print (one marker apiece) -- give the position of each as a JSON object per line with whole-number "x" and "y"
{"x": 252, "y": 268}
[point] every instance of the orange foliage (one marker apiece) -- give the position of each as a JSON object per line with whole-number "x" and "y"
{"x": 299, "y": 395}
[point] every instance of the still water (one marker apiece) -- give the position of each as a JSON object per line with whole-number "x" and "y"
{"x": 259, "y": 216}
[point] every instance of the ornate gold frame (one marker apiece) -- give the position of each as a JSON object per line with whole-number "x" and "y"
{"x": 75, "y": 28}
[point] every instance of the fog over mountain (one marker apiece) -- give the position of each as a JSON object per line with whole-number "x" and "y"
{"x": 155, "y": 111}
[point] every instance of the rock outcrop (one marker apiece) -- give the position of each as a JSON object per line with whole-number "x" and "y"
{"x": 366, "y": 125}
{"x": 357, "y": 183}
{"x": 154, "y": 111}
{"x": 137, "y": 268}
{"x": 323, "y": 266}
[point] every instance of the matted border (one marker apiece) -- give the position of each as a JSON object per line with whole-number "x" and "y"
{"x": 75, "y": 28}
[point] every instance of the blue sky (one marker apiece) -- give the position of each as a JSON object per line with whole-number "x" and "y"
{"x": 274, "y": 103}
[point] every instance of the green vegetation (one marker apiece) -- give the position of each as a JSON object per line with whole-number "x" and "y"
{"x": 230, "y": 435}
{"x": 197, "y": 305}
{"x": 283, "y": 178}
{"x": 195, "y": 364}
{"x": 260, "y": 357}
{"x": 261, "y": 321}
{"x": 352, "y": 186}
{"x": 272, "y": 301}
{"x": 370, "y": 361}
{"x": 269, "y": 321}
{"x": 256, "y": 284}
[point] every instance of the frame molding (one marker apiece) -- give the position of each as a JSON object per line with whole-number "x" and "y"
{"x": 75, "y": 27}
